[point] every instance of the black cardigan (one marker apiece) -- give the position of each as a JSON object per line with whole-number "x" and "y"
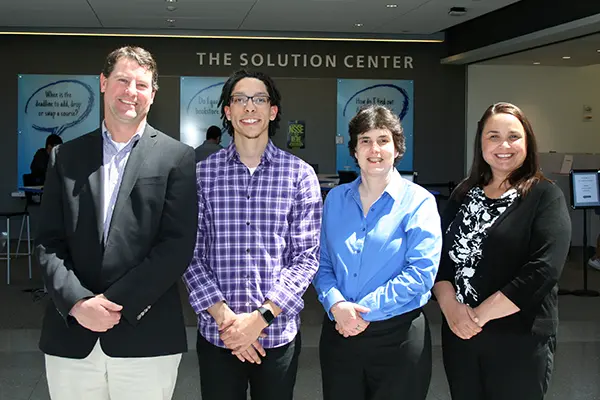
{"x": 523, "y": 257}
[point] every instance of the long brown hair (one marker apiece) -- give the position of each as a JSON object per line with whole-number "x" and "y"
{"x": 522, "y": 178}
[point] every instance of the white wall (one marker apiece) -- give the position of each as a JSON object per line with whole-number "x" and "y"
{"x": 552, "y": 98}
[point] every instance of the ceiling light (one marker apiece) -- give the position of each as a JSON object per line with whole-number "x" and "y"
{"x": 598, "y": 50}
{"x": 391, "y": 5}
{"x": 170, "y": 20}
{"x": 457, "y": 11}
{"x": 171, "y": 1}
{"x": 358, "y": 25}
{"x": 171, "y": 8}
{"x": 536, "y": 63}
{"x": 566, "y": 58}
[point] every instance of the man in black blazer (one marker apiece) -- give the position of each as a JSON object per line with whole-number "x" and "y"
{"x": 118, "y": 229}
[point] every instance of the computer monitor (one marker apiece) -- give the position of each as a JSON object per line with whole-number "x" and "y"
{"x": 347, "y": 176}
{"x": 585, "y": 188}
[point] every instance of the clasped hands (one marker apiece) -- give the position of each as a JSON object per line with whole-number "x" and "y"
{"x": 348, "y": 321}
{"x": 98, "y": 314}
{"x": 240, "y": 333}
{"x": 464, "y": 321}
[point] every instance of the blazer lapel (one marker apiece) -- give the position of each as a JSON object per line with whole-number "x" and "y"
{"x": 139, "y": 153}
{"x": 95, "y": 179}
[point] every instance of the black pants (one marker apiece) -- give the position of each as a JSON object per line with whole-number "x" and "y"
{"x": 390, "y": 360}
{"x": 498, "y": 365}
{"x": 224, "y": 377}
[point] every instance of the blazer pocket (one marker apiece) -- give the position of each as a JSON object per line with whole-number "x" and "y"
{"x": 151, "y": 180}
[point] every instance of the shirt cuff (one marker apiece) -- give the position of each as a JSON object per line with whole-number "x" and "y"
{"x": 333, "y": 296}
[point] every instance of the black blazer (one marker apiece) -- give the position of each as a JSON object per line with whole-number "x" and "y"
{"x": 523, "y": 257}
{"x": 149, "y": 245}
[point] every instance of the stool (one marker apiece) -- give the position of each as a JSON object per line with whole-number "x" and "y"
{"x": 8, "y": 254}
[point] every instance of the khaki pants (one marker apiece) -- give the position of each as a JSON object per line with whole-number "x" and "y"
{"x": 100, "y": 377}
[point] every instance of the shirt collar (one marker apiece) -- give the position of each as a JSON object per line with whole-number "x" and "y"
{"x": 393, "y": 189}
{"x": 138, "y": 134}
{"x": 267, "y": 157}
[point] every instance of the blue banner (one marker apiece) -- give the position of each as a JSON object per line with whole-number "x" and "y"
{"x": 352, "y": 94}
{"x": 199, "y": 97}
{"x": 66, "y": 105}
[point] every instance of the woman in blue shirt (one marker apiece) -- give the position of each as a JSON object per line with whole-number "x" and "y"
{"x": 380, "y": 248}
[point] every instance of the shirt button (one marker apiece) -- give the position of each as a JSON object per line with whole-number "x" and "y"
{"x": 355, "y": 275}
{"x": 358, "y": 251}
{"x": 248, "y": 197}
{"x": 247, "y": 250}
{"x": 364, "y": 229}
{"x": 247, "y": 304}
{"x": 247, "y": 223}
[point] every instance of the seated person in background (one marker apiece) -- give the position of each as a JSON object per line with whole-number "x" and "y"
{"x": 210, "y": 145}
{"x": 39, "y": 164}
{"x": 594, "y": 262}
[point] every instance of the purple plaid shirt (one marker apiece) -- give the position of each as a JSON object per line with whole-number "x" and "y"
{"x": 258, "y": 239}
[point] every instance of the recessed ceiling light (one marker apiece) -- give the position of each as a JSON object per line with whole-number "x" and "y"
{"x": 358, "y": 25}
{"x": 457, "y": 11}
{"x": 170, "y": 20}
{"x": 536, "y": 63}
{"x": 391, "y": 5}
{"x": 566, "y": 58}
{"x": 171, "y": 1}
{"x": 598, "y": 50}
{"x": 171, "y": 8}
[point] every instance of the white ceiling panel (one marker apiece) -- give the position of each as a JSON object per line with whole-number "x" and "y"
{"x": 324, "y": 15}
{"x": 289, "y": 16}
{"x": 43, "y": 13}
{"x": 432, "y": 16}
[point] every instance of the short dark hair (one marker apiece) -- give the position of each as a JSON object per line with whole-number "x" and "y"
{"x": 376, "y": 117}
{"x": 139, "y": 55}
{"x": 213, "y": 132}
{"x": 274, "y": 97}
{"x": 53, "y": 140}
{"x": 522, "y": 178}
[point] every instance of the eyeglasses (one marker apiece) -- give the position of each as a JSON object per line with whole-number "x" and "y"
{"x": 242, "y": 100}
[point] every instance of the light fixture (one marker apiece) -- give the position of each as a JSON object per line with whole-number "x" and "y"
{"x": 171, "y": 8}
{"x": 358, "y": 25}
{"x": 598, "y": 50}
{"x": 391, "y": 5}
{"x": 457, "y": 11}
{"x": 536, "y": 63}
{"x": 171, "y": 1}
{"x": 566, "y": 58}
{"x": 170, "y": 20}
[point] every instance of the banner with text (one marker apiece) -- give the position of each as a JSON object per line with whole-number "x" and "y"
{"x": 66, "y": 105}
{"x": 353, "y": 94}
{"x": 296, "y": 135}
{"x": 199, "y": 109}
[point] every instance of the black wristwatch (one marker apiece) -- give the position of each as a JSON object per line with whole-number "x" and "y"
{"x": 266, "y": 314}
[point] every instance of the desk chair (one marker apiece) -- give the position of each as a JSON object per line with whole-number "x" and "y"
{"x": 25, "y": 221}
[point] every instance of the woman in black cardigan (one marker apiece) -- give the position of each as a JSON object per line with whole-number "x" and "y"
{"x": 507, "y": 232}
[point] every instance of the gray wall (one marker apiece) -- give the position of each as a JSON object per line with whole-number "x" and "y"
{"x": 308, "y": 93}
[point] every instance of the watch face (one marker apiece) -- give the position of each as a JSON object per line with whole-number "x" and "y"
{"x": 267, "y": 314}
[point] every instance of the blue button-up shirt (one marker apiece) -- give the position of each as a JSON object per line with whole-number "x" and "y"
{"x": 114, "y": 160}
{"x": 386, "y": 261}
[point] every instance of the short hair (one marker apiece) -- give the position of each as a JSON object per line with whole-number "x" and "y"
{"x": 376, "y": 117}
{"x": 274, "y": 97}
{"x": 139, "y": 55}
{"x": 213, "y": 132}
{"x": 53, "y": 140}
{"x": 480, "y": 174}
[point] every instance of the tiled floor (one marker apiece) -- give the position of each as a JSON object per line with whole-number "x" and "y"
{"x": 575, "y": 377}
